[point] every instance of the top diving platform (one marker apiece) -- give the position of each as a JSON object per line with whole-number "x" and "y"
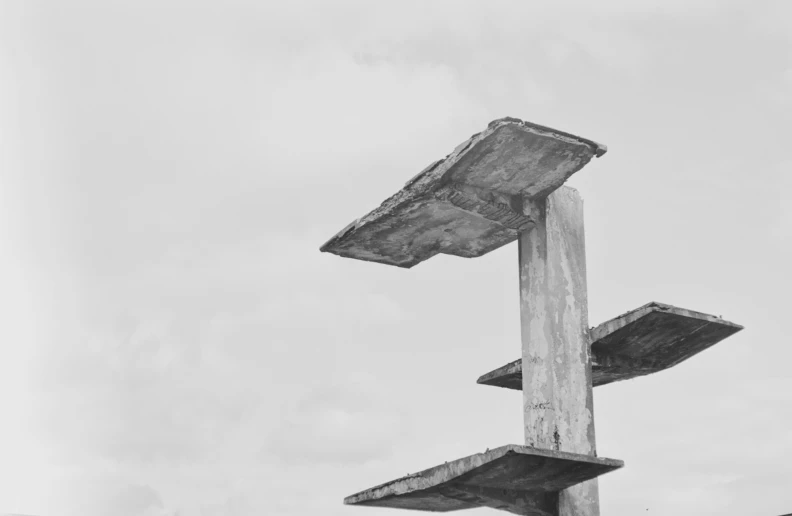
{"x": 470, "y": 202}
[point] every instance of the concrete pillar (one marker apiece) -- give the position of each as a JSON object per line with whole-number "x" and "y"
{"x": 557, "y": 389}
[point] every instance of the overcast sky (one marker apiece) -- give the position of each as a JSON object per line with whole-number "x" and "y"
{"x": 173, "y": 342}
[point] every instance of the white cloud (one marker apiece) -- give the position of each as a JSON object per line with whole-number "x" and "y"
{"x": 170, "y": 171}
{"x": 778, "y": 90}
{"x": 343, "y": 425}
{"x": 782, "y": 226}
{"x": 135, "y": 500}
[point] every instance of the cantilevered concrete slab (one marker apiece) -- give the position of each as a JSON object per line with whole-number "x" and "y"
{"x": 518, "y": 479}
{"x": 470, "y": 202}
{"x": 644, "y": 341}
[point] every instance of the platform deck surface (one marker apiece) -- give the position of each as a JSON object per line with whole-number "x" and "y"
{"x": 508, "y": 477}
{"x": 470, "y": 202}
{"x": 646, "y": 340}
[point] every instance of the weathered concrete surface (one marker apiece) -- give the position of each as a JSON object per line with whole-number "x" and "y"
{"x": 468, "y": 203}
{"x": 663, "y": 334}
{"x": 557, "y": 397}
{"x": 518, "y": 479}
{"x": 646, "y": 340}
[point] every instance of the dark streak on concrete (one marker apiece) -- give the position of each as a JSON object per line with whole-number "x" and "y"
{"x": 463, "y": 205}
{"x": 518, "y": 479}
{"x": 646, "y": 340}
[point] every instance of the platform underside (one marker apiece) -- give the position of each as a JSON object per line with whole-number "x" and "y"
{"x": 518, "y": 479}
{"x": 649, "y": 339}
{"x": 470, "y": 202}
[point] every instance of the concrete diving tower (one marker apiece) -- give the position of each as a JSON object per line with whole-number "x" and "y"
{"x": 501, "y": 185}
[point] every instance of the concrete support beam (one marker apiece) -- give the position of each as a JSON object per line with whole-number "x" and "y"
{"x": 487, "y": 204}
{"x": 557, "y": 387}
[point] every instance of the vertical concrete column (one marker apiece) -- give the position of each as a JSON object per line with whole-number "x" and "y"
{"x": 557, "y": 389}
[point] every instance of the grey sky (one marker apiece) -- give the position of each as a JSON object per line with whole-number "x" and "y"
{"x": 174, "y": 342}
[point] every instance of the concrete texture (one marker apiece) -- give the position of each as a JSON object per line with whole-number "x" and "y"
{"x": 470, "y": 202}
{"x": 646, "y": 340}
{"x": 504, "y": 184}
{"x": 517, "y": 479}
{"x": 557, "y": 397}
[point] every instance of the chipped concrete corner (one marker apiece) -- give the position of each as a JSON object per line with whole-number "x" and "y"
{"x": 554, "y": 317}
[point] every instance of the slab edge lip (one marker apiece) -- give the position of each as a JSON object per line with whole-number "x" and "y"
{"x": 599, "y": 148}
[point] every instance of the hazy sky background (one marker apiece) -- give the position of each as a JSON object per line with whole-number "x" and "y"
{"x": 173, "y": 342}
